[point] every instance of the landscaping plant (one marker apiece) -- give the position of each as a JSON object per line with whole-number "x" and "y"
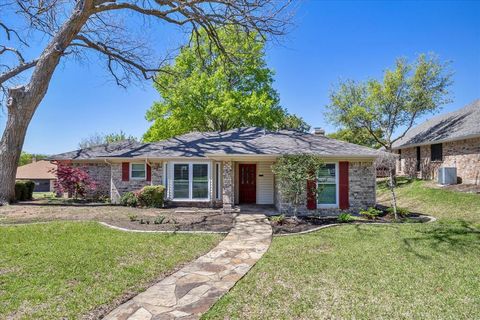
{"x": 293, "y": 172}
{"x": 345, "y": 217}
{"x": 75, "y": 181}
{"x": 151, "y": 196}
{"x": 371, "y": 213}
{"x": 24, "y": 190}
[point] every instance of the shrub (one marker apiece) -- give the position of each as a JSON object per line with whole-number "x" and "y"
{"x": 371, "y": 213}
{"x": 129, "y": 199}
{"x": 400, "y": 211}
{"x": 345, "y": 217}
{"x": 278, "y": 219}
{"x": 159, "y": 220}
{"x": 73, "y": 180}
{"x": 132, "y": 217}
{"x": 30, "y": 186}
{"x": 151, "y": 196}
{"x": 20, "y": 191}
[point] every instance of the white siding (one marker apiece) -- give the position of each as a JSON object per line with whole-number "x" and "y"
{"x": 264, "y": 183}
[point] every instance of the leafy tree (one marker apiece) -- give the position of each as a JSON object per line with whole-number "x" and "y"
{"x": 26, "y": 158}
{"x": 98, "y": 139}
{"x": 110, "y": 29}
{"x": 385, "y": 108}
{"x": 201, "y": 91}
{"x": 407, "y": 92}
{"x": 358, "y": 136}
{"x": 292, "y": 173}
{"x": 73, "y": 180}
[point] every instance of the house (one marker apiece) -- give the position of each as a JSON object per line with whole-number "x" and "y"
{"x": 40, "y": 172}
{"x": 447, "y": 140}
{"x": 223, "y": 169}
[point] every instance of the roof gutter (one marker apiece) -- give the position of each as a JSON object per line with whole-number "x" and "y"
{"x": 426, "y": 143}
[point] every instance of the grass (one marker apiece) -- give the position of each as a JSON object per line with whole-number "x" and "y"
{"x": 65, "y": 270}
{"x": 404, "y": 271}
{"x": 43, "y": 195}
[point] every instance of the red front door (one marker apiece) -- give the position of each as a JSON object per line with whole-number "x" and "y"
{"x": 247, "y": 183}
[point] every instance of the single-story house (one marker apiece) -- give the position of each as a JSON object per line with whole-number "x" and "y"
{"x": 41, "y": 172}
{"x": 224, "y": 169}
{"x": 447, "y": 140}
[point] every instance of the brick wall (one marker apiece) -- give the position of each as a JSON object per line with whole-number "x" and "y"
{"x": 119, "y": 187}
{"x": 362, "y": 188}
{"x": 462, "y": 154}
{"x": 100, "y": 173}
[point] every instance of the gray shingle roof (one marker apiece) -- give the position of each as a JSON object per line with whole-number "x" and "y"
{"x": 242, "y": 141}
{"x": 451, "y": 126}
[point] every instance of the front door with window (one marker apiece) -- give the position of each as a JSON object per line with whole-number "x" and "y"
{"x": 247, "y": 183}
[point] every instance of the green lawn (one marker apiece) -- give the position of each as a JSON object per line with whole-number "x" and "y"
{"x": 64, "y": 270}
{"x": 408, "y": 271}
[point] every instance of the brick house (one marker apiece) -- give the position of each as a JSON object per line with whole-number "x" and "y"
{"x": 224, "y": 169}
{"x": 447, "y": 140}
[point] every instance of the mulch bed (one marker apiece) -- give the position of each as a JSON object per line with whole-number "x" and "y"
{"x": 300, "y": 224}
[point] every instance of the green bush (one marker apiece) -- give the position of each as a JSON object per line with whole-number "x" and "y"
{"x": 345, "y": 217}
{"x": 151, "y": 196}
{"x": 20, "y": 191}
{"x": 159, "y": 219}
{"x": 371, "y": 213}
{"x": 278, "y": 219}
{"x": 400, "y": 211}
{"x": 30, "y": 186}
{"x": 132, "y": 217}
{"x": 129, "y": 199}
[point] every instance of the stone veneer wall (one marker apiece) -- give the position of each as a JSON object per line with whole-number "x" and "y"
{"x": 228, "y": 191}
{"x": 362, "y": 188}
{"x": 119, "y": 187}
{"x": 462, "y": 154}
{"x": 100, "y": 173}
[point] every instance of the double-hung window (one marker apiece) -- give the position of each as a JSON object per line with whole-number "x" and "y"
{"x": 138, "y": 171}
{"x": 191, "y": 181}
{"x": 327, "y": 185}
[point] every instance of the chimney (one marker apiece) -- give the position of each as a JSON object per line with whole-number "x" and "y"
{"x": 318, "y": 131}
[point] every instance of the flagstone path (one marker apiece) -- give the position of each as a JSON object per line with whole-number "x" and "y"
{"x": 192, "y": 290}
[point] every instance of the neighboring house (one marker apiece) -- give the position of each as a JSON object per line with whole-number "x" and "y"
{"x": 447, "y": 140}
{"x": 230, "y": 168}
{"x": 39, "y": 172}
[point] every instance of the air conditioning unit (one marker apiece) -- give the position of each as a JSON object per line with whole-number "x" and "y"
{"x": 447, "y": 175}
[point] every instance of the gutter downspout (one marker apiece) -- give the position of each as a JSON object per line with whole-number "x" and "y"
{"x": 111, "y": 178}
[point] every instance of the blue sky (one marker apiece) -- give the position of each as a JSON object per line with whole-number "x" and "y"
{"x": 330, "y": 41}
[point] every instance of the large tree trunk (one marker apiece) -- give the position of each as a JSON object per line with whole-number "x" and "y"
{"x": 24, "y": 100}
{"x": 11, "y": 147}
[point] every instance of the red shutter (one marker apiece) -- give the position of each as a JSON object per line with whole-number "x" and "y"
{"x": 149, "y": 173}
{"x": 311, "y": 195}
{"x": 343, "y": 185}
{"x": 125, "y": 171}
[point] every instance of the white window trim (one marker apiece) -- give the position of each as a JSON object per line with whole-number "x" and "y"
{"x": 190, "y": 180}
{"x": 138, "y": 178}
{"x": 335, "y": 205}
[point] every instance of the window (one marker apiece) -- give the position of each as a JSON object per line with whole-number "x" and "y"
{"x": 181, "y": 181}
{"x": 418, "y": 158}
{"x": 137, "y": 171}
{"x": 191, "y": 181}
{"x": 200, "y": 181}
{"x": 327, "y": 185}
{"x": 436, "y": 152}
{"x": 218, "y": 181}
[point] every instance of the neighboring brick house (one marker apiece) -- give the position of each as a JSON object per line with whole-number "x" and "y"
{"x": 447, "y": 140}
{"x": 224, "y": 169}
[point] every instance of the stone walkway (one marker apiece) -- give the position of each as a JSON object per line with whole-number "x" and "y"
{"x": 192, "y": 290}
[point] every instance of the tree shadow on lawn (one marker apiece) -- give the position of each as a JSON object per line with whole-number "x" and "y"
{"x": 445, "y": 237}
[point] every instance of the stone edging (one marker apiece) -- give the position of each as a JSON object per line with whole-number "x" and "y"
{"x": 431, "y": 219}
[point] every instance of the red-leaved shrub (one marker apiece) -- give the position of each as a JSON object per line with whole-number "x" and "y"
{"x": 73, "y": 180}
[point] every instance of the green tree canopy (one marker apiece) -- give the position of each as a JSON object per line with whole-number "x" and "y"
{"x": 407, "y": 92}
{"x": 202, "y": 91}
{"x": 26, "y": 158}
{"x": 359, "y": 136}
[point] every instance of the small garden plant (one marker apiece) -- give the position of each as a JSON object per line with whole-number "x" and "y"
{"x": 345, "y": 217}
{"x": 278, "y": 219}
{"x": 371, "y": 213}
{"x": 402, "y": 212}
